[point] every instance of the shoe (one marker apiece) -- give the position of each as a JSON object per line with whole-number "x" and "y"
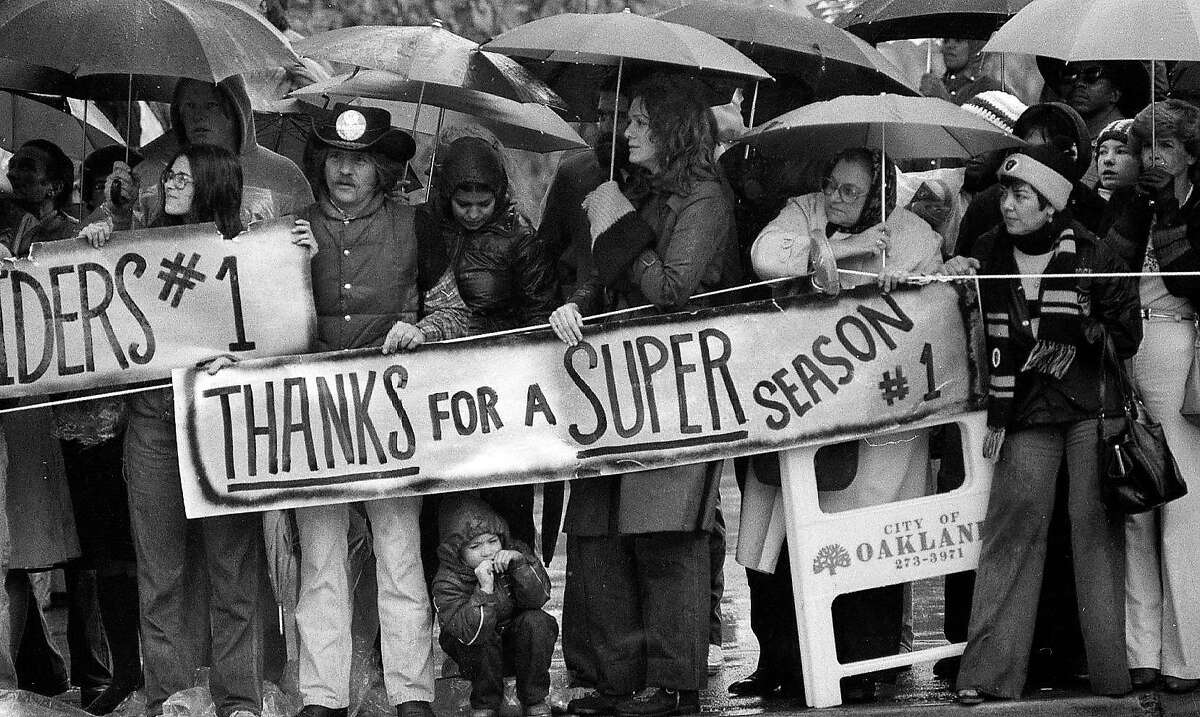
{"x": 1143, "y": 677}
{"x": 88, "y": 695}
{"x": 539, "y": 709}
{"x": 756, "y": 684}
{"x": 858, "y": 690}
{"x": 659, "y": 702}
{"x": 970, "y": 697}
{"x": 414, "y": 708}
{"x": 947, "y": 667}
{"x": 1179, "y": 685}
{"x": 484, "y": 712}
{"x": 108, "y": 700}
{"x": 716, "y": 659}
{"x": 321, "y": 711}
{"x": 594, "y": 703}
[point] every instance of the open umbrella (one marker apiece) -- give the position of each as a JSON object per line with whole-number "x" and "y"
{"x": 430, "y": 55}
{"x": 878, "y": 20}
{"x": 786, "y": 43}
{"x": 22, "y": 118}
{"x": 905, "y": 127}
{"x": 614, "y": 37}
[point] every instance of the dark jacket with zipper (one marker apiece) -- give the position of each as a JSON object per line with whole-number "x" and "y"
{"x": 1041, "y": 399}
{"x": 1130, "y": 224}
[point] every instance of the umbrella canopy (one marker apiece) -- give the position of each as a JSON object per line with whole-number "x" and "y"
{"x": 206, "y": 40}
{"x": 901, "y": 126}
{"x": 518, "y": 125}
{"x": 878, "y": 20}
{"x": 23, "y": 119}
{"x": 1103, "y": 30}
{"x": 820, "y": 52}
{"x": 609, "y": 38}
{"x": 430, "y": 55}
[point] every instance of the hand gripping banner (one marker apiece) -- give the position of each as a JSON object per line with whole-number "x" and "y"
{"x": 78, "y": 319}
{"x": 639, "y": 394}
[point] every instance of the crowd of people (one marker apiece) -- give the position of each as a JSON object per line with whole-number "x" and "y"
{"x": 1102, "y": 185}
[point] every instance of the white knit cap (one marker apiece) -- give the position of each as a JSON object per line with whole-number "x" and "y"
{"x": 999, "y": 108}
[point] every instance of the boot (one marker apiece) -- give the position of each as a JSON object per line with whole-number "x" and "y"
{"x": 118, "y": 596}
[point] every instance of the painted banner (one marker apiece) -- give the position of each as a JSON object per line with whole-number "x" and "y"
{"x": 78, "y": 319}
{"x": 643, "y": 393}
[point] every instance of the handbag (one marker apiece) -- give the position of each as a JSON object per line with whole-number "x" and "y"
{"x": 1138, "y": 472}
{"x": 1191, "y": 390}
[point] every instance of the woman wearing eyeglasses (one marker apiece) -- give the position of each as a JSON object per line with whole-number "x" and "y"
{"x": 176, "y": 556}
{"x": 842, "y": 227}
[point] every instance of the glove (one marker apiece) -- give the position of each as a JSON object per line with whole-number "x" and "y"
{"x": 604, "y": 206}
{"x": 1156, "y": 184}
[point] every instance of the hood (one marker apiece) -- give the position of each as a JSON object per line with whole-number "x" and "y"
{"x": 1069, "y": 124}
{"x": 234, "y": 88}
{"x": 472, "y": 159}
{"x": 461, "y": 518}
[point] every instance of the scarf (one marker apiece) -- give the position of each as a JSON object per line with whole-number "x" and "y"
{"x": 872, "y": 212}
{"x": 1006, "y": 314}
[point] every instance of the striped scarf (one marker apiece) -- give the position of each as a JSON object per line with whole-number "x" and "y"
{"x": 1006, "y": 314}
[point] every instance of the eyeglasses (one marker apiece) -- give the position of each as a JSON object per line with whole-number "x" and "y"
{"x": 846, "y": 192}
{"x": 179, "y": 180}
{"x": 1090, "y": 75}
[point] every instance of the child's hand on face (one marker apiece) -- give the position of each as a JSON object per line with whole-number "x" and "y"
{"x": 504, "y": 558}
{"x": 486, "y": 574}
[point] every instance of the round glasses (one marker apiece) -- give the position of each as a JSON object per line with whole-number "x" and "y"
{"x": 846, "y": 192}
{"x": 179, "y": 180}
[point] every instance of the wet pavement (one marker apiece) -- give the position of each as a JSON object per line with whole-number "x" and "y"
{"x": 917, "y": 692}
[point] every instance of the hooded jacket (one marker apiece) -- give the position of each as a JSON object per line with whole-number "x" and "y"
{"x": 273, "y": 185}
{"x": 503, "y": 271}
{"x": 465, "y": 612}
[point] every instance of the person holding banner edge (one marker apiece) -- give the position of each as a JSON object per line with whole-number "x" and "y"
{"x": 378, "y": 280}
{"x": 640, "y": 540}
{"x": 1046, "y": 357}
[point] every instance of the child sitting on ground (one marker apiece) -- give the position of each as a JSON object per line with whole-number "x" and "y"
{"x": 488, "y": 593}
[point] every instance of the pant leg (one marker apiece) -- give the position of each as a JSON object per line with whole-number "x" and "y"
{"x": 405, "y": 614}
{"x": 1098, "y": 542}
{"x": 40, "y": 666}
{"x": 1162, "y": 368}
{"x": 8, "y": 670}
{"x": 481, "y": 662}
{"x": 606, "y": 575}
{"x": 582, "y": 663}
{"x": 672, "y": 577}
{"x": 716, "y": 576}
{"x": 958, "y": 586}
{"x": 323, "y": 609}
{"x": 85, "y": 637}
{"x": 233, "y": 552}
{"x": 528, "y": 648}
{"x": 1009, "y": 576}
{"x": 166, "y": 561}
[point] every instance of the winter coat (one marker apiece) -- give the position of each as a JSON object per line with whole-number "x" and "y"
{"x": 55, "y": 226}
{"x": 983, "y": 214}
{"x": 464, "y": 611}
{"x": 41, "y": 520}
{"x": 278, "y": 185}
{"x": 1040, "y": 399}
{"x": 1176, "y": 238}
{"x": 564, "y": 228}
{"x": 372, "y": 271}
{"x": 503, "y": 271}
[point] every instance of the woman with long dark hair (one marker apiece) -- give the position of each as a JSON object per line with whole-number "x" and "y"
{"x": 177, "y": 556}
{"x": 639, "y": 541}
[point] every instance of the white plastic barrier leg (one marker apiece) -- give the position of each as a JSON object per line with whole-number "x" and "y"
{"x": 836, "y": 553}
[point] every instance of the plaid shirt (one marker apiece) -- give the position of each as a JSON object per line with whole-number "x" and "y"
{"x": 443, "y": 314}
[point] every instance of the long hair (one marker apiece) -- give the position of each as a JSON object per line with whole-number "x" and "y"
{"x": 682, "y": 130}
{"x": 60, "y": 170}
{"x": 217, "y": 189}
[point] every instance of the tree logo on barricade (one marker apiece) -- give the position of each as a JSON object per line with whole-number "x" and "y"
{"x": 830, "y": 558}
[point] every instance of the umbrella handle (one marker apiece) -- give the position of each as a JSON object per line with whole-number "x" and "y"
{"x": 753, "y": 110}
{"x": 883, "y": 190}
{"x": 612, "y": 155}
{"x": 437, "y": 138}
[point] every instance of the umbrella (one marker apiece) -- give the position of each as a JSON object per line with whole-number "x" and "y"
{"x": 518, "y": 125}
{"x": 1103, "y": 30}
{"x": 205, "y": 40}
{"x": 22, "y": 118}
{"x": 898, "y": 126}
{"x": 429, "y": 55}
{"x": 613, "y": 37}
{"x": 787, "y": 43}
{"x": 878, "y": 20}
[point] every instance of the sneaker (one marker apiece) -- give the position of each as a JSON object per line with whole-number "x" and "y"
{"x": 593, "y": 703}
{"x": 538, "y": 709}
{"x": 659, "y": 702}
{"x": 716, "y": 659}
